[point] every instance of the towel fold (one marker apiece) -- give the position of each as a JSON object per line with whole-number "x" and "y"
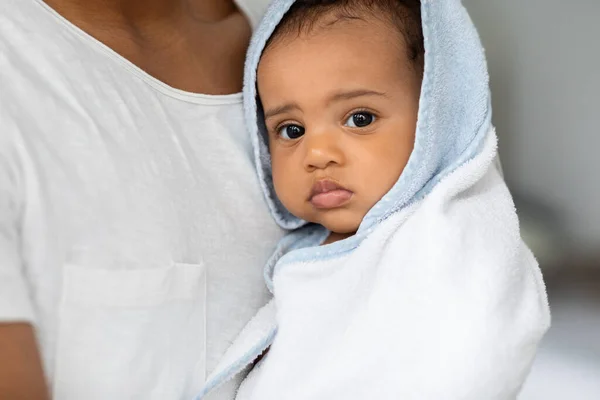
{"x": 436, "y": 297}
{"x": 441, "y": 301}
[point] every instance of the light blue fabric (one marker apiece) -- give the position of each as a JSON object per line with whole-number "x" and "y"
{"x": 454, "y": 113}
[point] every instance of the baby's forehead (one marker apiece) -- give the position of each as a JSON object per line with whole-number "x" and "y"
{"x": 399, "y": 21}
{"x": 355, "y": 53}
{"x": 323, "y": 23}
{"x": 375, "y": 47}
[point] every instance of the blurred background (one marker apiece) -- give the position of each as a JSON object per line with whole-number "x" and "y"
{"x": 544, "y": 60}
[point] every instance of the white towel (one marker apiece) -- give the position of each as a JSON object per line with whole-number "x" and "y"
{"x": 436, "y": 297}
{"x": 441, "y": 301}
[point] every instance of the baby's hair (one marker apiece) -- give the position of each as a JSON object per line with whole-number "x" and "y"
{"x": 405, "y": 15}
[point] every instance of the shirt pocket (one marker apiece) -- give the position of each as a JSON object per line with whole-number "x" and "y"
{"x": 131, "y": 334}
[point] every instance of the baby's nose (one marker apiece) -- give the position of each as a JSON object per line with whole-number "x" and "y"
{"x": 322, "y": 151}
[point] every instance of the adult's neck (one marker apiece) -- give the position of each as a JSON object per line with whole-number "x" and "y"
{"x": 141, "y": 14}
{"x": 193, "y": 45}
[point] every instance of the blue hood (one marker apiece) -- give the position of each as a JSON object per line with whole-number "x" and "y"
{"x": 454, "y": 109}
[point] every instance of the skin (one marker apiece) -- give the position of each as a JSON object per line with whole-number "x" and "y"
{"x": 172, "y": 40}
{"x": 21, "y": 374}
{"x": 318, "y": 82}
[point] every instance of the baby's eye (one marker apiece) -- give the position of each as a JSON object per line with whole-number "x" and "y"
{"x": 360, "y": 119}
{"x": 291, "y": 132}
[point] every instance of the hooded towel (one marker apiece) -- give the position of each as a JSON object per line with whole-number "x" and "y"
{"x": 435, "y": 296}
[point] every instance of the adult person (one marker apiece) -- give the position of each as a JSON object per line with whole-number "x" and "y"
{"x": 129, "y": 206}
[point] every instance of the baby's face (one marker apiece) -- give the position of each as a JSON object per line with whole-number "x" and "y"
{"x": 340, "y": 107}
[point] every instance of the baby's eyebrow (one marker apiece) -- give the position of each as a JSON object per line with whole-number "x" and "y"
{"x": 351, "y": 94}
{"x": 280, "y": 110}
{"x": 342, "y": 95}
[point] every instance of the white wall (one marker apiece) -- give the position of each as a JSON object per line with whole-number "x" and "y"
{"x": 544, "y": 58}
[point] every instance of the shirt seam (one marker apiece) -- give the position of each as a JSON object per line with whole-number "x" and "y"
{"x": 155, "y": 83}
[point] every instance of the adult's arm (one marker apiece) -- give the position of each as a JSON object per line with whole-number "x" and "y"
{"x": 21, "y": 373}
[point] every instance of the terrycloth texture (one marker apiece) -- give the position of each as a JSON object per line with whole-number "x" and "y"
{"x": 436, "y": 296}
{"x": 256, "y": 336}
{"x": 442, "y": 301}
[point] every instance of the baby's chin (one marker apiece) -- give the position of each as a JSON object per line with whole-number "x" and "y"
{"x": 341, "y": 221}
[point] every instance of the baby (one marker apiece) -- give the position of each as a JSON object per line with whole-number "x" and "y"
{"x": 405, "y": 276}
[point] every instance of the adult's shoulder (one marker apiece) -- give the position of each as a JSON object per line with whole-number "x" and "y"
{"x": 254, "y": 9}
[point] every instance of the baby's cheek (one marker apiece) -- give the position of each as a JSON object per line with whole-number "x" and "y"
{"x": 286, "y": 185}
{"x": 381, "y": 180}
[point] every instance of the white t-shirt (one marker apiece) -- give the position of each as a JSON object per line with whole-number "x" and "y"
{"x": 132, "y": 229}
